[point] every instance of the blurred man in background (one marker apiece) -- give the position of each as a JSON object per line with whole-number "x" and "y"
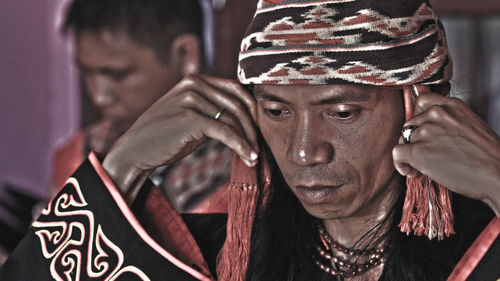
{"x": 130, "y": 53}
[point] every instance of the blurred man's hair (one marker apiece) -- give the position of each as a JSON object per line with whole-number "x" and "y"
{"x": 153, "y": 23}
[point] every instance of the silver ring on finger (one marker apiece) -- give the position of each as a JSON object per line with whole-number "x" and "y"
{"x": 406, "y": 132}
{"x": 219, "y": 114}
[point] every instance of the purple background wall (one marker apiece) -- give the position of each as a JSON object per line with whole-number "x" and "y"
{"x": 37, "y": 97}
{"x": 24, "y": 119}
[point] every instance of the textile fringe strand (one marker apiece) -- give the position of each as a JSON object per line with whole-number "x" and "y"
{"x": 234, "y": 256}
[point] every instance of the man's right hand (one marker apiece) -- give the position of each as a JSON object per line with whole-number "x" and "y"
{"x": 178, "y": 123}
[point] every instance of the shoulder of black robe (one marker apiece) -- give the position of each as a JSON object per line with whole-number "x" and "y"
{"x": 88, "y": 233}
{"x": 481, "y": 262}
{"x": 209, "y": 230}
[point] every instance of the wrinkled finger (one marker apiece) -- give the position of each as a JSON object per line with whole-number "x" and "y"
{"x": 425, "y": 100}
{"x": 439, "y": 114}
{"x": 426, "y": 132}
{"x": 199, "y": 103}
{"x": 235, "y": 88}
{"x": 401, "y": 155}
{"x": 229, "y": 103}
{"x": 194, "y": 100}
{"x": 227, "y": 135}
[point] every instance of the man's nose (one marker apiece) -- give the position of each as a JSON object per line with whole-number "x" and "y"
{"x": 308, "y": 146}
{"x": 99, "y": 90}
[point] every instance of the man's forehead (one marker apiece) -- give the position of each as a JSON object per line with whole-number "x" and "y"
{"x": 317, "y": 94}
{"x": 106, "y": 49}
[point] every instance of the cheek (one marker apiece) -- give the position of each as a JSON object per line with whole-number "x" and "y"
{"x": 276, "y": 138}
{"x": 374, "y": 156}
{"x": 138, "y": 93}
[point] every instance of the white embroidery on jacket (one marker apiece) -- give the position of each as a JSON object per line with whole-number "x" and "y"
{"x": 62, "y": 241}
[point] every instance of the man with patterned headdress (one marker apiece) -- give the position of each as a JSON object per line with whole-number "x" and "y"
{"x": 323, "y": 184}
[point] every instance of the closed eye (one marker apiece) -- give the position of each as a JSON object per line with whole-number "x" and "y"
{"x": 343, "y": 115}
{"x": 277, "y": 114}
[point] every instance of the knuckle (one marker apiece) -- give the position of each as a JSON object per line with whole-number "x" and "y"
{"x": 189, "y": 80}
{"x": 190, "y": 97}
{"x": 424, "y": 131}
{"x": 437, "y": 112}
{"x": 192, "y": 77}
{"x": 395, "y": 153}
{"x": 421, "y": 100}
{"x": 223, "y": 129}
{"x": 398, "y": 153}
{"x": 456, "y": 102}
{"x": 239, "y": 146}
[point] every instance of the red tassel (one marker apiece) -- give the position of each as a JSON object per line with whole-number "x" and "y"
{"x": 244, "y": 196}
{"x": 233, "y": 258}
{"x": 427, "y": 207}
{"x": 422, "y": 196}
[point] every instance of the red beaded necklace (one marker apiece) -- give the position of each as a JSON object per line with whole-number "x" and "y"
{"x": 358, "y": 261}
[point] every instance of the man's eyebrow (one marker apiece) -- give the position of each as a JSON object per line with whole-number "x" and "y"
{"x": 268, "y": 97}
{"x": 342, "y": 97}
{"x": 339, "y": 97}
{"x": 105, "y": 69}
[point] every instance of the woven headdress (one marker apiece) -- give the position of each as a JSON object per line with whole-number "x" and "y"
{"x": 392, "y": 43}
{"x": 384, "y": 43}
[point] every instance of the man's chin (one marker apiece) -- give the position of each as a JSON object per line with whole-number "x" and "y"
{"x": 325, "y": 212}
{"x": 330, "y": 209}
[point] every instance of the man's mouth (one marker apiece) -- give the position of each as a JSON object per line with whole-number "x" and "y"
{"x": 316, "y": 194}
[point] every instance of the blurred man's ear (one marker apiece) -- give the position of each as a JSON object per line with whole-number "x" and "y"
{"x": 186, "y": 54}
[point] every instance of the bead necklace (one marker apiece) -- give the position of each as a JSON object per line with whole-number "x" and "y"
{"x": 364, "y": 259}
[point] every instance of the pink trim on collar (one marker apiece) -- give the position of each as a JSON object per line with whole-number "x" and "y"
{"x": 136, "y": 225}
{"x": 476, "y": 252}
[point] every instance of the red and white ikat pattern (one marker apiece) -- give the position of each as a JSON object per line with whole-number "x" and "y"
{"x": 319, "y": 25}
{"x": 267, "y": 5}
{"x": 318, "y": 71}
{"x": 322, "y": 38}
{"x": 196, "y": 177}
{"x": 75, "y": 246}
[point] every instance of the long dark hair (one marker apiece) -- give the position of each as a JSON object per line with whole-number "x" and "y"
{"x": 285, "y": 236}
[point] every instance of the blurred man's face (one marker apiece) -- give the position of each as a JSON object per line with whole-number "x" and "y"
{"x": 122, "y": 77}
{"x": 333, "y": 144}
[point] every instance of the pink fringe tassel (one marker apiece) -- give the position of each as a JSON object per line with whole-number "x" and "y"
{"x": 417, "y": 206}
{"x": 417, "y": 212}
{"x": 246, "y": 198}
{"x": 234, "y": 256}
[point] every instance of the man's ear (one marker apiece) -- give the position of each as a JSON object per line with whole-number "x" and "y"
{"x": 185, "y": 53}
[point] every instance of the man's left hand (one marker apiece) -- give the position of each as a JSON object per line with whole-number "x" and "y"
{"x": 454, "y": 147}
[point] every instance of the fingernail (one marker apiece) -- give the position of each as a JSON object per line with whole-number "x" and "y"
{"x": 254, "y": 156}
{"x": 247, "y": 162}
{"x": 406, "y": 171}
